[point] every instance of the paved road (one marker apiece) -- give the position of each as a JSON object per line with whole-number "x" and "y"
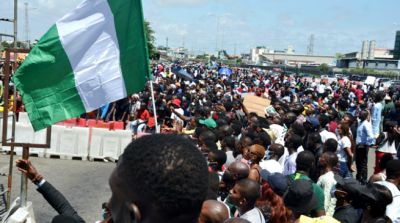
{"x": 83, "y": 183}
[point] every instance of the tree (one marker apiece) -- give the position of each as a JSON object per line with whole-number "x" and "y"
{"x": 150, "y": 40}
{"x": 324, "y": 68}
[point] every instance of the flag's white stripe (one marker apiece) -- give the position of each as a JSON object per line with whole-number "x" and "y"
{"x": 98, "y": 74}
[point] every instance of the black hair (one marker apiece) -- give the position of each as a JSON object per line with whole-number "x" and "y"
{"x": 220, "y": 157}
{"x": 383, "y": 198}
{"x": 295, "y": 141}
{"x": 230, "y": 142}
{"x": 213, "y": 185}
{"x": 167, "y": 171}
{"x": 210, "y": 145}
{"x": 298, "y": 109}
{"x": 208, "y": 135}
{"x": 323, "y": 120}
{"x": 289, "y": 119}
{"x": 363, "y": 115}
{"x": 332, "y": 159}
{"x": 305, "y": 161}
{"x": 280, "y": 150}
{"x": 330, "y": 145}
{"x": 250, "y": 190}
{"x": 298, "y": 129}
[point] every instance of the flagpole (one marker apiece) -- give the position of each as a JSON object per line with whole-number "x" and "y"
{"x": 154, "y": 105}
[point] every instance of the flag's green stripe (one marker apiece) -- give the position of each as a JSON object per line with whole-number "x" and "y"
{"x": 128, "y": 19}
{"x": 46, "y": 83}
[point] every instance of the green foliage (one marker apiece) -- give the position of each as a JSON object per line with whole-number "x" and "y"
{"x": 153, "y": 54}
{"x": 324, "y": 68}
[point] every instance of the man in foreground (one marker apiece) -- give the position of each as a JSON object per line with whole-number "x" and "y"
{"x": 159, "y": 178}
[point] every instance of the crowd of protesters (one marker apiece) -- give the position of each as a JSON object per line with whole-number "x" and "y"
{"x": 306, "y": 158}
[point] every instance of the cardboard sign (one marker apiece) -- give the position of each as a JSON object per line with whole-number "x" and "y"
{"x": 256, "y": 104}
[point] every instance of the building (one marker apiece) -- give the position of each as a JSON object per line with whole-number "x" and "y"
{"x": 396, "y": 51}
{"x": 372, "y": 57}
{"x": 262, "y": 55}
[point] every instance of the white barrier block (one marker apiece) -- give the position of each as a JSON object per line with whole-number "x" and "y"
{"x": 23, "y": 133}
{"x": 96, "y": 143}
{"x": 125, "y": 137}
{"x": 56, "y": 131}
{"x": 23, "y": 118}
{"x": 82, "y": 147}
{"x": 73, "y": 142}
{"x": 111, "y": 145}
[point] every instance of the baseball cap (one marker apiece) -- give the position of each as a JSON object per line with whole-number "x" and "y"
{"x": 313, "y": 121}
{"x": 209, "y": 123}
{"x": 300, "y": 197}
{"x": 277, "y": 181}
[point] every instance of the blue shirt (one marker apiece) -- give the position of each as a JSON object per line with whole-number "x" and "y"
{"x": 376, "y": 117}
{"x": 365, "y": 135}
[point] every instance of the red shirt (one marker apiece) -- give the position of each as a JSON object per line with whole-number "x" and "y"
{"x": 144, "y": 115}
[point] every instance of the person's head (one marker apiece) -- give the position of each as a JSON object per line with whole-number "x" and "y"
{"x": 159, "y": 178}
{"x": 376, "y": 207}
{"x": 238, "y": 170}
{"x": 207, "y": 135}
{"x": 213, "y": 211}
{"x": 313, "y": 141}
{"x": 245, "y": 194}
{"x": 271, "y": 204}
{"x": 305, "y": 161}
{"x": 257, "y": 153}
{"x": 328, "y": 159}
{"x": 363, "y": 115}
{"x": 389, "y": 126}
{"x": 300, "y": 198}
{"x": 276, "y": 151}
{"x": 330, "y": 145}
{"x": 244, "y": 146}
{"x": 323, "y": 120}
{"x": 349, "y": 118}
{"x": 393, "y": 171}
{"x": 344, "y": 129}
{"x": 216, "y": 159}
{"x": 298, "y": 109}
{"x": 293, "y": 141}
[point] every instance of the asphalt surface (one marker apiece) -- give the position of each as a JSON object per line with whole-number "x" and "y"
{"x": 83, "y": 183}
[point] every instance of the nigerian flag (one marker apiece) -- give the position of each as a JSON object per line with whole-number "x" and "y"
{"x": 92, "y": 56}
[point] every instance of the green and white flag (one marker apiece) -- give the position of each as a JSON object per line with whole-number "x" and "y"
{"x": 92, "y": 56}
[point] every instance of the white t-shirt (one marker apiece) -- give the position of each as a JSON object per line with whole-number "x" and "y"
{"x": 290, "y": 164}
{"x": 175, "y": 117}
{"x": 344, "y": 142}
{"x": 254, "y": 216}
{"x": 272, "y": 166}
{"x": 325, "y": 135}
{"x": 327, "y": 182}
{"x": 321, "y": 88}
{"x": 283, "y": 157}
{"x": 393, "y": 209}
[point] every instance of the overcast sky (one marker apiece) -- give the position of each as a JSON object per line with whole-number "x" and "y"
{"x": 207, "y": 25}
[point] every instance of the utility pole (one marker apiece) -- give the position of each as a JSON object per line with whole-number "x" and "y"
{"x": 166, "y": 43}
{"x": 15, "y": 25}
{"x": 27, "y": 31}
{"x": 310, "y": 50}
